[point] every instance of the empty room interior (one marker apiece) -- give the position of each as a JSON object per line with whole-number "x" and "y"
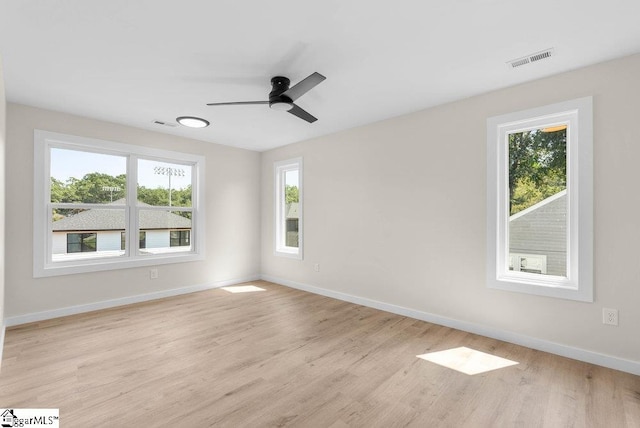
{"x": 333, "y": 214}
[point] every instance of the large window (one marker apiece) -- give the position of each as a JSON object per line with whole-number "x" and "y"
{"x": 102, "y": 205}
{"x": 539, "y": 208}
{"x": 288, "y": 208}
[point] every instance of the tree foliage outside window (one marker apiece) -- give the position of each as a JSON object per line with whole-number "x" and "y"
{"x": 291, "y": 194}
{"x": 537, "y": 167}
{"x": 90, "y": 189}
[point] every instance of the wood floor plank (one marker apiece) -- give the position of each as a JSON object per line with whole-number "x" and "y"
{"x": 282, "y": 357}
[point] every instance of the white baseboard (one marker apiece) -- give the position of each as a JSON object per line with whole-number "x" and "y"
{"x": 615, "y": 363}
{"x": 72, "y": 310}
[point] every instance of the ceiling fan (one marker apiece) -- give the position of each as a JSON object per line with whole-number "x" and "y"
{"x": 282, "y": 96}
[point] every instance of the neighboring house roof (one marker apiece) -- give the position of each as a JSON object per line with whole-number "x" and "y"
{"x": 291, "y": 210}
{"x": 113, "y": 219}
{"x": 540, "y": 205}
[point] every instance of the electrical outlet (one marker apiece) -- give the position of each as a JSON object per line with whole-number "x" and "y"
{"x": 609, "y": 316}
{"x": 153, "y": 273}
{"x": 316, "y": 267}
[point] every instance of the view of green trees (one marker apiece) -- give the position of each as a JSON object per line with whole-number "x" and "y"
{"x": 537, "y": 166}
{"x": 291, "y": 194}
{"x": 90, "y": 189}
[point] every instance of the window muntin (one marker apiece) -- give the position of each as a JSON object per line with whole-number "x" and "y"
{"x": 85, "y": 185}
{"x": 539, "y": 218}
{"x": 288, "y": 204}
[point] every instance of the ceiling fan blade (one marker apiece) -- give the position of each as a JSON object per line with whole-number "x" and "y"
{"x": 238, "y": 103}
{"x": 304, "y": 86}
{"x": 302, "y": 114}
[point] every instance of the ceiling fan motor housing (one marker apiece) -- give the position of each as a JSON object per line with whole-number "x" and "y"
{"x": 282, "y": 96}
{"x": 277, "y": 101}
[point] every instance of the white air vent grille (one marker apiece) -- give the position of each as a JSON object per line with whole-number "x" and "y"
{"x": 160, "y": 122}
{"x": 538, "y": 56}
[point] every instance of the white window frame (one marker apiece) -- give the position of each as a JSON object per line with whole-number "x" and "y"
{"x": 43, "y": 266}
{"x": 280, "y": 168}
{"x": 578, "y": 284}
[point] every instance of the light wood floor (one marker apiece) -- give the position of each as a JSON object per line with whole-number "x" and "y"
{"x": 283, "y": 357}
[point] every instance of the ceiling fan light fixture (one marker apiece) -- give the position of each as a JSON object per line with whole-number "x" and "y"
{"x": 192, "y": 122}
{"x": 281, "y": 106}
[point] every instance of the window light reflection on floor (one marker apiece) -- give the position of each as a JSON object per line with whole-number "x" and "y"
{"x": 466, "y": 360}
{"x": 242, "y": 289}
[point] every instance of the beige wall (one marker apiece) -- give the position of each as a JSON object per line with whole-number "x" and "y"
{"x": 3, "y": 127}
{"x": 395, "y": 212}
{"x": 232, "y": 223}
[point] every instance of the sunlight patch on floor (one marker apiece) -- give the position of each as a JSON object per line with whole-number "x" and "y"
{"x": 466, "y": 360}
{"x": 242, "y": 289}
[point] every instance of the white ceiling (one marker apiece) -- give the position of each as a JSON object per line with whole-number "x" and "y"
{"x": 133, "y": 62}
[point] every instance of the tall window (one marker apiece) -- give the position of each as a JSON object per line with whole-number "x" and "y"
{"x": 118, "y": 203}
{"x": 540, "y": 201}
{"x": 288, "y": 208}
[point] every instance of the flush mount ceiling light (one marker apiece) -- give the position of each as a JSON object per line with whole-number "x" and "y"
{"x": 192, "y": 122}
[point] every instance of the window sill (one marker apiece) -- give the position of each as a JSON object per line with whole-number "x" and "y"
{"x": 289, "y": 252}
{"x": 547, "y": 288}
{"x": 100, "y": 265}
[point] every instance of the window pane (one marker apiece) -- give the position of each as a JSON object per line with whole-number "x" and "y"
{"x": 84, "y": 234}
{"x": 81, "y": 242}
{"x": 78, "y": 176}
{"x": 538, "y": 201}
{"x": 164, "y": 184}
{"x": 165, "y": 231}
{"x": 292, "y": 200}
{"x": 179, "y": 238}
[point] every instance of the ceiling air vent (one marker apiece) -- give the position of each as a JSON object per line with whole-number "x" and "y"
{"x": 169, "y": 124}
{"x": 538, "y": 56}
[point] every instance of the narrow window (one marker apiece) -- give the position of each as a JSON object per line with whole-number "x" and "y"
{"x": 538, "y": 215}
{"x": 540, "y": 201}
{"x": 288, "y": 208}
